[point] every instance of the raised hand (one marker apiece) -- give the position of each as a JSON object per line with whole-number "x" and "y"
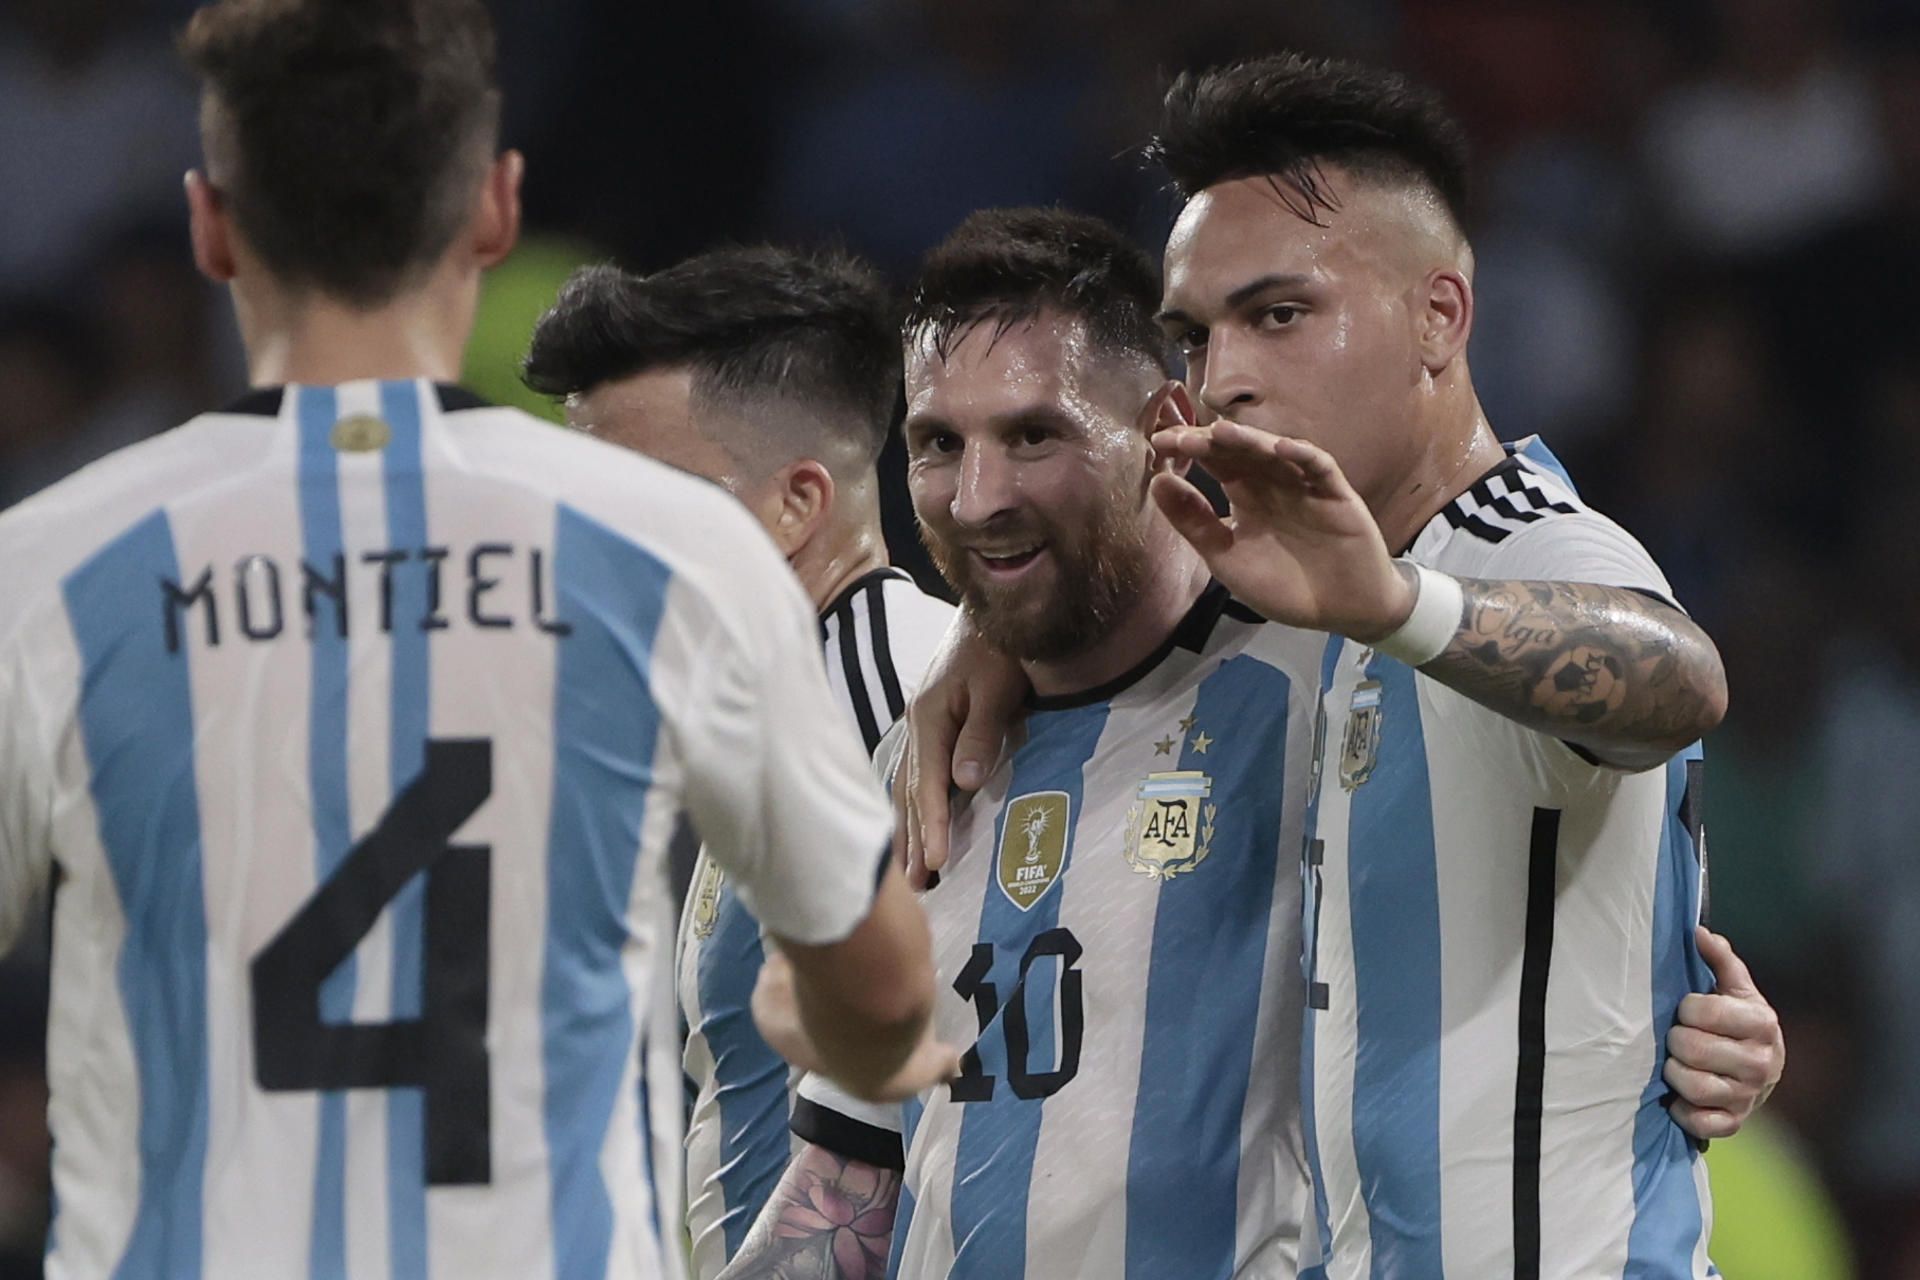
{"x": 1300, "y": 545}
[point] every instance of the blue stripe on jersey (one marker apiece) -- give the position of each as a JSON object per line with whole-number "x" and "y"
{"x": 1394, "y": 896}
{"x": 993, "y": 1166}
{"x": 1309, "y": 933}
{"x": 1204, "y": 976}
{"x": 322, "y": 543}
{"x": 136, "y": 722}
{"x": 1667, "y": 1220}
{"x": 605, "y": 723}
{"x": 750, "y": 1079}
{"x": 902, "y": 1224}
{"x": 406, "y": 501}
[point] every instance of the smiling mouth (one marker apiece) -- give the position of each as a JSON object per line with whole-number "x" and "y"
{"x": 1011, "y": 562}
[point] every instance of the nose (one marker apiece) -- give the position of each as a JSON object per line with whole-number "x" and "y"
{"x": 986, "y": 486}
{"x": 1231, "y": 379}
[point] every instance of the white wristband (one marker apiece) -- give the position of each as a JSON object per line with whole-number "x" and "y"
{"x": 1435, "y": 619}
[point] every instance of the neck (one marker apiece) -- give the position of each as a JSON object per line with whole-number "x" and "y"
{"x": 1178, "y": 576}
{"x": 319, "y": 341}
{"x": 1454, "y": 456}
{"x": 828, "y": 566}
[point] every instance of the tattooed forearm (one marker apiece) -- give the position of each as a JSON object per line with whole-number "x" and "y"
{"x": 1628, "y": 678}
{"x": 830, "y": 1218}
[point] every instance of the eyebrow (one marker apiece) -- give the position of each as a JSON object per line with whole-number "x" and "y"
{"x": 1243, "y": 295}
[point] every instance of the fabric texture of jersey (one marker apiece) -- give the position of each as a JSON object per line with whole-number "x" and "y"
{"x": 355, "y": 720}
{"x": 1116, "y": 938}
{"x": 879, "y": 636}
{"x": 1498, "y": 935}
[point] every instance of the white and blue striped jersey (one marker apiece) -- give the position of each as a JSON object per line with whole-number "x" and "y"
{"x": 352, "y": 723}
{"x": 1498, "y": 936}
{"x": 880, "y": 635}
{"x": 1116, "y": 937}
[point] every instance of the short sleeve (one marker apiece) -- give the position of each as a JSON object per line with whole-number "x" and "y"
{"x": 1581, "y": 546}
{"x": 25, "y": 788}
{"x": 777, "y": 781}
{"x": 870, "y": 1132}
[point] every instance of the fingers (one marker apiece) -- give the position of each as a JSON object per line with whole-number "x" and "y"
{"x": 1703, "y": 1122}
{"x": 1747, "y": 1061}
{"x": 1709, "y": 1092}
{"x": 1235, "y": 453}
{"x": 1734, "y": 1017}
{"x": 1730, "y": 974}
{"x": 1191, "y": 515}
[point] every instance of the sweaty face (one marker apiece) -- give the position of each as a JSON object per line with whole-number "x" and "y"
{"x": 1029, "y": 478}
{"x": 652, "y": 413}
{"x": 1302, "y": 330}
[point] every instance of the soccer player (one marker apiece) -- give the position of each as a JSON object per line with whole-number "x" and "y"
{"x": 1505, "y": 869}
{"x": 774, "y": 374}
{"x": 354, "y": 718}
{"x": 1116, "y": 935}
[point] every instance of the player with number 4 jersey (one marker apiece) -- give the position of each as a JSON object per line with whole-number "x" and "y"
{"x": 349, "y": 725}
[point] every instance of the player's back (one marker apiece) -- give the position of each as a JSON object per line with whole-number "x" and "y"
{"x": 365, "y": 712}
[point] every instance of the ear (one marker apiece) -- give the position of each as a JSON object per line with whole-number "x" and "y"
{"x": 804, "y": 491}
{"x": 1171, "y": 405}
{"x": 496, "y": 226}
{"x": 1448, "y": 320}
{"x": 211, "y": 228}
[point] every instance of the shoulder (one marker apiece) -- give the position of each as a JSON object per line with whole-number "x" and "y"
{"x": 709, "y": 544}
{"x": 44, "y": 538}
{"x": 916, "y": 624}
{"x": 1525, "y": 520}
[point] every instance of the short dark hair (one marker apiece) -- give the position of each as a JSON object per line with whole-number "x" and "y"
{"x": 1004, "y": 265}
{"x": 351, "y": 133}
{"x": 764, "y": 323}
{"x": 1284, "y": 116}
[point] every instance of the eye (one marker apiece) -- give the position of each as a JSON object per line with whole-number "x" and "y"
{"x": 939, "y": 442}
{"x": 1034, "y": 435}
{"x": 1278, "y": 316}
{"x": 1191, "y": 340}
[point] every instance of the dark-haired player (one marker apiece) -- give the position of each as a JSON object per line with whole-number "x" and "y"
{"x": 1504, "y": 872}
{"x": 772, "y": 373}
{"x": 1116, "y": 935}
{"x": 354, "y": 719}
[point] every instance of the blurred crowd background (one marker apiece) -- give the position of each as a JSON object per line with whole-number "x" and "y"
{"x": 1698, "y": 231}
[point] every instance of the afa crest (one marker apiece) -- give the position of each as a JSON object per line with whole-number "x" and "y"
{"x": 1360, "y": 746}
{"x": 361, "y": 433}
{"x": 1170, "y": 824}
{"x": 1033, "y": 845}
{"x": 706, "y": 897}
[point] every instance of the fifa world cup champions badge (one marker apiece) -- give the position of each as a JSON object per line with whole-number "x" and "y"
{"x": 1033, "y": 845}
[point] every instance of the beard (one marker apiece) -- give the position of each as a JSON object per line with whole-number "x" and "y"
{"x": 1094, "y": 575}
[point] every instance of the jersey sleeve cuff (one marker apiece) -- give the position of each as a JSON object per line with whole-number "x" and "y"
{"x": 845, "y": 1136}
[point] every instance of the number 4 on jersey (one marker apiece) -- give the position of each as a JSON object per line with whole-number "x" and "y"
{"x": 443, "y": 1052}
